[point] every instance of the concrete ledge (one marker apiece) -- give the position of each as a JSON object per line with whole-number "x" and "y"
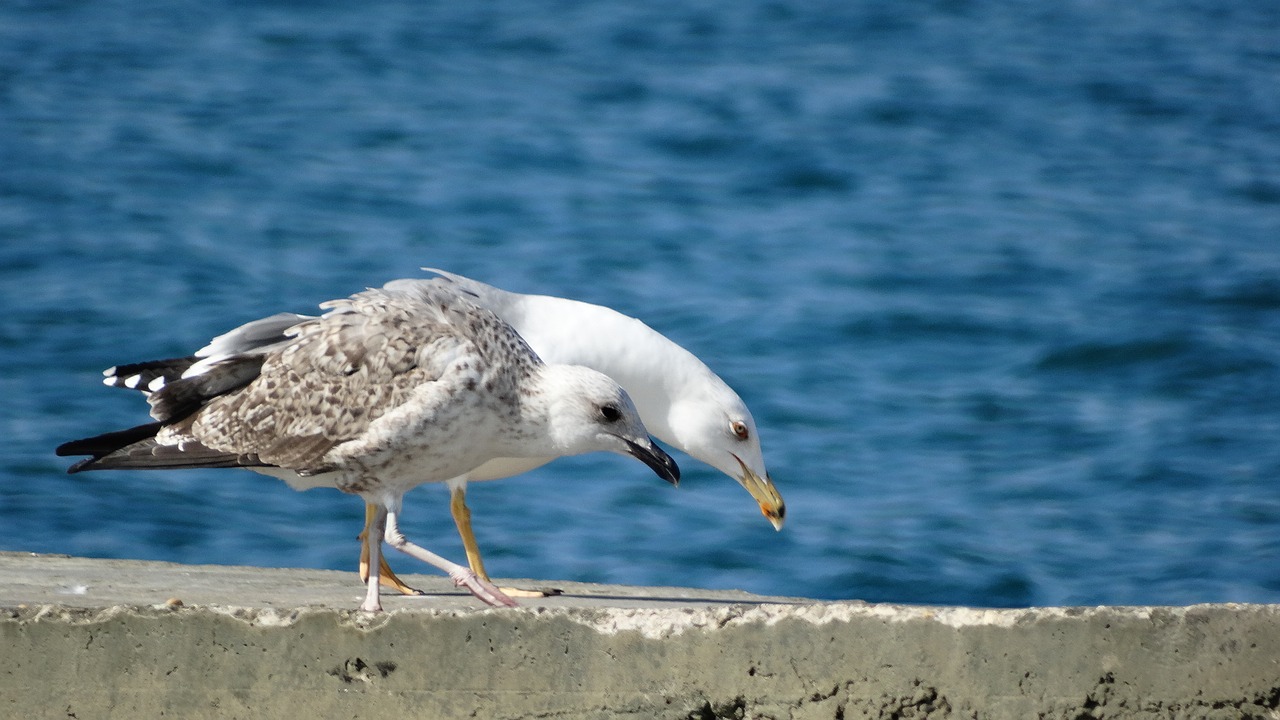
{"x": 104, "y": 638}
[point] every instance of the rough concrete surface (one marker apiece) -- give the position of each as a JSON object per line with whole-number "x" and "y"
{"x": 86, "y": 639}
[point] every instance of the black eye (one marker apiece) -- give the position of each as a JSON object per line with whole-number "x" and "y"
{"x": 739, "y": 429}
{"x": 610, "y": 413}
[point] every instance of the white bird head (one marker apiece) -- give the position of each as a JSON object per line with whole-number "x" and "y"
{"x": 589, "y": 412}
{"x": 684, "y": 403}
{"x": 717, "y": 428}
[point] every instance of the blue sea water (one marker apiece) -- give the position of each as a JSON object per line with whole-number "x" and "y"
{"x": 999, "y": 281}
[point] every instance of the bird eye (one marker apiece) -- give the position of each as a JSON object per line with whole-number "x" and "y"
{"x": 610, "y": 413}
{"x": 739, "y": 429}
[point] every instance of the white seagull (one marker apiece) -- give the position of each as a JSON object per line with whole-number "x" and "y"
{"x": 389, "y": 389}
{"x": 681, "y": 401}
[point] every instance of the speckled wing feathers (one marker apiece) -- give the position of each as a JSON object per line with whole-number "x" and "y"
{"x": 377, "y": 352}
{"x": 368, "y": 355}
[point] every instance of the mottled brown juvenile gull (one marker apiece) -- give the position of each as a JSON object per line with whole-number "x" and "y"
{"x": 389, "y": 389}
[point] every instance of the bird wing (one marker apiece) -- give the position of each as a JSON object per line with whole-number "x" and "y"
{"x": 374, "y": 353}
{"x": 367, "y": 356}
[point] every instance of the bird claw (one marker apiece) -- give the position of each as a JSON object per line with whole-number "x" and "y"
{"x": 516, "y": 592}
{"x": 486, "y": 591}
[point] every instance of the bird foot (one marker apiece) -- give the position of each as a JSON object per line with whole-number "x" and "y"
{"x": 481, "y": 588}
{"x": 531, "y": 593}
{"x": 395, "y": 583}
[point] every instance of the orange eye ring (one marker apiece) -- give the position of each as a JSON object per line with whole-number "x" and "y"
{"x": 739, "y": 429}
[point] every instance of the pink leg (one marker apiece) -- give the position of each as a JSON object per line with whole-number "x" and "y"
{"x": 377, "y": 529}
{"x": 462, "y": 577}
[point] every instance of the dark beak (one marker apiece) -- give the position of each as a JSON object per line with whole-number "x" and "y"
{"x": 653, "y": 456}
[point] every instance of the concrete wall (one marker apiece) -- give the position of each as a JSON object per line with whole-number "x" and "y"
{"x": 102, "y": 639}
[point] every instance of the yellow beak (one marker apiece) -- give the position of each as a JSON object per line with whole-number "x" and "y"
{"x": 762, "y": 489}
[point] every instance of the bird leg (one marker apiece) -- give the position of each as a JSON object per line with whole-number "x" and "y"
{"x": 462, "y": 577}
{"x": 385, "y": 574}
{"x": 374, "y": 533}
{"x": 462, "y": 518}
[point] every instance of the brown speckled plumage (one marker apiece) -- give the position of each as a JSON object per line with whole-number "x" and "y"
{"x": 373, "y": 381}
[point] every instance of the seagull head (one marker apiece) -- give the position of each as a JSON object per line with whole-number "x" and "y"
{"x": 589, "y": 412}
{"x": 717, "y": 428}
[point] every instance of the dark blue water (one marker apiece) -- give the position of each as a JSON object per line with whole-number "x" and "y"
{"x": 1000, "y": 281}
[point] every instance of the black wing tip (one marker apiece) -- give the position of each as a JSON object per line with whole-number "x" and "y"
{"x": 108, "y": 441}
{"x": 100, "y": 446}
{"x": 136, "y": 449}
{"x": 144, "y": 373}
{"x": 181, "y": 397}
